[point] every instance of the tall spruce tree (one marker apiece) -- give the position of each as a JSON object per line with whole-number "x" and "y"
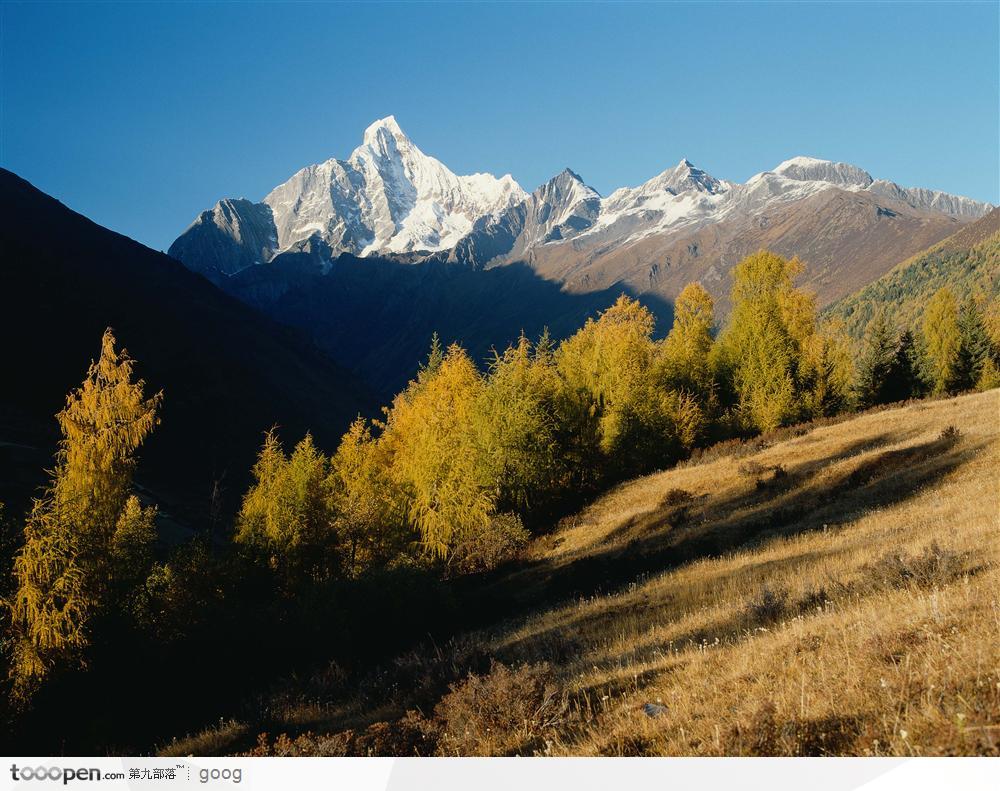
{"x": 876, "y": 361}
{"x": 903, "y": 381}
{"x": 974, "y": 347}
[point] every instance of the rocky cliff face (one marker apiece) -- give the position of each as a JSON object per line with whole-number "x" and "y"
{"x": 234, "y": 234}
{"x": 388, "y": 197}
{"x": 559, "y": 210}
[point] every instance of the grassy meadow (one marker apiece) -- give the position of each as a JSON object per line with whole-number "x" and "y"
{"x": 827, "y": 589}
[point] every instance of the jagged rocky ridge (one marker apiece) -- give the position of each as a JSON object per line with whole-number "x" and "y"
{"x": 390, "y": 199}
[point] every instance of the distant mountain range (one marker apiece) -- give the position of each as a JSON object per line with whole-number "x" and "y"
{"x": 478, "y": 259}
{"x": 389, "y": 199}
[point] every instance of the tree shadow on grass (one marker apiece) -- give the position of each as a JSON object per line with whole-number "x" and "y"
{"x": 809, "y": 496}
{"x": 799, "y": 501}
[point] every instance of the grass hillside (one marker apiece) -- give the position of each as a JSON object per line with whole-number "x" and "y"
{"x": 827, "y": 589}
{"x": 968, "y": 262}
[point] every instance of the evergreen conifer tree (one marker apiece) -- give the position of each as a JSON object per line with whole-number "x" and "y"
{"x": 876, "y": 363}
{"x": 974, "y": 346}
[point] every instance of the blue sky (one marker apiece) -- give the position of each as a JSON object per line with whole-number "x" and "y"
{"x": 141, "y": 115}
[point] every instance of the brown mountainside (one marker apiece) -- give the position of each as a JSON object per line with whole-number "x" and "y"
{"x": 846, "y": 239}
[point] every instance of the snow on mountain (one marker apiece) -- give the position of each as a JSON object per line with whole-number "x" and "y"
{"x": 678, "y": 196}
{"x": 812, "y": 175}
{"x": 558, "y": 210}
{"x": 810, "y": 169}
{"x": 387, "y": 197}
{"x": 685, "y": 197}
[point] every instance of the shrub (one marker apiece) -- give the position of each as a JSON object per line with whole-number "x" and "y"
{"x": 674, "y": 497}
{"x": 934, "y": 566}
{"x": 767, "y": 607}
{"x": 950, "y": 434}
{"x": 505, "y": 712}
{"x": 484, "y": 549}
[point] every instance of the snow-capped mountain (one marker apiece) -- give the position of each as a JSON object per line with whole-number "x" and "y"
{"x": 560, "y": 209}
{"x": 676, "y": 202}
{"x": 386, "y": 197}
{"x": 390, "y": 245}
{"x": 684, "y": 196}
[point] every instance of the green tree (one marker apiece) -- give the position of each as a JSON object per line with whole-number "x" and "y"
{"x": 286, "y": 521}
{"x": 974, "y": 347}
{"x": 434, "y": 460}
{"x": 759, "y": 353}
{"x": 943, "y": 339}
{"x": 876, "y": 361}
{"x": 87, "y": 538}
{"x": 903, "y": 381}
{"x": 685, "y": 352}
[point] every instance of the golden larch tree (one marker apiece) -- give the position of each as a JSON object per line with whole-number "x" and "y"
{"x": 84, "y": 535}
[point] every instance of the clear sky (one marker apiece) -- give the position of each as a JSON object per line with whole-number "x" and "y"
{"x": 140, "y": 115}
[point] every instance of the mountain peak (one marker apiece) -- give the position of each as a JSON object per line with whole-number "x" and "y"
{"x": 803, "y": 168}
{"x": 566, "y": 174}
{"x": 682, "y": 177}
{"x": 801, "y": 161}
{"x": 384, "y": 126}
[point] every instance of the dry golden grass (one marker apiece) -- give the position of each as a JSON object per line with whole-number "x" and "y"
{"x": 835, "y": 593}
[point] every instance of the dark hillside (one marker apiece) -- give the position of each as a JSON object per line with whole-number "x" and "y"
{"x": 228, "y": 373}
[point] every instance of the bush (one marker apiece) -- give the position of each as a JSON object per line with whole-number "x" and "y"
{"x": 934, "y": 566}
{"x": 505, "y": 712}
{"x": 503, "y": 537}
{"x": 950, "y": 434}
{"x": 768, "y": 607}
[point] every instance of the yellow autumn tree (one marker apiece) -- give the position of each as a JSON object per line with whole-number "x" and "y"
{"x": 942, "y": 337}
{"x": 286, "y": 521}
{"x": 827, "y": 371}
{"x": 515, "y": 425}
{"x": 434, "y": 458}
{"x": 369, "y": 514}
{"x": 612, "y": 400}
{"x": 685, "y": 351}
{"x": 759, "y": 353}
{"x": 88, "y": 536}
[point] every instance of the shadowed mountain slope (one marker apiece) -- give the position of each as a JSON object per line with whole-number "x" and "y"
{"x": 227, "y": 372}
{"x": 377, "y": 315}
